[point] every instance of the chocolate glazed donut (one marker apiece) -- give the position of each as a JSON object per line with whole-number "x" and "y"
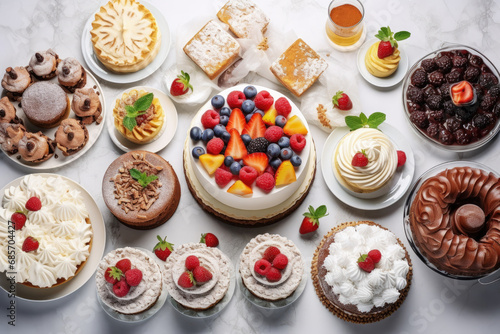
{"x": 447, "y": 223}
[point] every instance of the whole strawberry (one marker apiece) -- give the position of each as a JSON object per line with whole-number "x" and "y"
{"x": 401, "y": 158}
{"x": 163, "y": 248}
{"x": 186, "y": 280}
{"x": 124, "y": 265}
{"x": 360, "y": 159}
{"x": 209, "y": 239}
{"x": 30, "y": 244}
{"x": 201, "y": 275}
{"x": 192, "y": 262}
{"x": 389, "y": 41}
{"x": 113, "y": 275}
{"x": 342, "y": 101}
{"x": 181, "y": 85}
{"x": 310, "y": 223}
{"x": 33, "y": 204}
{"x": 366, "y": 263}
{"x": 19, "y": 219}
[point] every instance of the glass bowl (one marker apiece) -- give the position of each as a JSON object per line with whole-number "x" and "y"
{"x": 453, "y": 148}
{"x": 406, "y": 215}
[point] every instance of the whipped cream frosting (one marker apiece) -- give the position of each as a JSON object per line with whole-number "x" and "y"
{"x": 202, "y": 296}
{"x": 71, "y": 134}
{"x": 64, "y": 243}
{"x": 16, "y": 79}
{"x": 291, "y": 276}
{"x": 69, "y": 72}
{"x": 43, "y": 63}
{"x": 382, "y": 160}
{"x": 7, "y": 111}
{"x": 85, "y": 102}
{"x": 357, "y": 287}
{"x": 140, "y": 297}
{"x": 33, "y": 146}
{"x": 10, "y": 135}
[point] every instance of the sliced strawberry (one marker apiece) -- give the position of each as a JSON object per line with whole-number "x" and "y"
{"x": 255, "y": 127}
{"x": 235, "y": 147}
{"x": 236, "y": 121}
{"x": 257, "y": 160}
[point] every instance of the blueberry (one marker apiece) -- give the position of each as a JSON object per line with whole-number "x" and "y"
{"x": 258, "y": 111}
{"x": 225, "y": 111}
{"x": 286, "y": 153}
{"x": 248, "y": 117}
{"x": 197, "y": 151}
{"x": 207, "y": 135}
{"x": 195, "y": 133}
{"x": 280, "y": 121}
{"x": 225, "y": 136}
{"x": 248, "y": 106}
{"x": 284, "y": 142}
{"x": 235, "y": 168}
{"x": 246, "y": 139}
{"x": 273, "y": 150}
{"x": 223, "y": 149}
{"x": 241, "y": 163}
{"x": 218, "y": 101}
{"x": 250, "y": 92}
{"x": 224, "y": 120}
{"x": 218, "y": 130}
{"x": 275, "y": 163}
{"x": 296, "y": 160}
{"x": 228, "y": 161}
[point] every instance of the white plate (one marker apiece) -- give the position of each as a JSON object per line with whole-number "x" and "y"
{"x": 96, "y": 252}
{"x": 211, "y": 311}
{"x": 121, "y": 78}
{"x": 162, "y": 139}
{"x": 149, "y": 312}
{"x": 266, "y": 304}
{"x": 399, "y": 184}
{"x": 61, "y": 160}
{"x": 391, "y": 80}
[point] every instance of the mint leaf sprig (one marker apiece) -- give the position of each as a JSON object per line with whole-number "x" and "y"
{"x": 361, "y": 121}
{"x": 385, "y": 34}
{"x": 137, "y": 109}
{"x": 142, "y": 178}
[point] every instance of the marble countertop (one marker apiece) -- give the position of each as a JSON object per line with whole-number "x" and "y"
{"x": 434, "y": 305}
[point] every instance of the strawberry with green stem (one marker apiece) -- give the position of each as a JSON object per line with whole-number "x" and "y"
{"x": 163, "y": 249}
{"x": 310, "y": 223}
{"x": 181, "y": 85}
{"x": 342, "y": 101}
{"x": 389, "y": 41}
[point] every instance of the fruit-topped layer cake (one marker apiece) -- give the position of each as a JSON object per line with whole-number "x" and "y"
{"x": 250, "y": 147}
{"x": 141, "y": 189}
{"x": 382, "y": 58}
{"x": 129, "y": 281}
{"x": 271, "y": 267}
{"x": 361, "y": 272}
{"x": 53, "y": 232}
{"x": 198, "y": 276}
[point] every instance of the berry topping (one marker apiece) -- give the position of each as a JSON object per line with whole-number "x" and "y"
{"x": 444, "y": 63}
{"x": 19, "y": 219}
{"x": 280, "y": 121}
{"x": 310, "y": 223}
{"x": 283, "y": 107}
{"x": 197, "y": 152}
{"x": 30, "y": 244}
{"x": 211, "y": 162}
{"x": 250, "y": 92}
{"x": 294, "y": 125}
{"x": 207, "y": 135}
{"x": 285, "y": 174}
{"x": 223, "y": 177}
{"x": 133, "y": 277}
{"x": 124, "y": 265}
{"x": 235, "y": 168}
{"x": 389, "y": 41}
{"x": 360, "y": 159}
{"x": 33, "y": 204}
{"x": 265, "y": 182}
{"x": 342, "y": 101}
{"x": 219, "y": 129}
{"x": 258, "y": 161}
{"x": 163, "y": 248}
{"x": 235, "y": 99}
{"x": 121, "y": 288}
{"x": 248, "y": 106}
{"x": 235, "y": 147}
{"x": 401, "y": 158}
{"x": 262, "y": 267}
{"x": 180, "y": 85}
{"x": 248, "y": 174}
{"x": 215, "y": 146}
{"x": 217, "y": 101}
{"x": 186, "y": 280}
{"x": 419, "y": 78}
{"x": 280, "y": 261}
{"x": 273, "y": 150}
{"x": 113, "y": 275}
{"x": 286, "y": 153}
{"x": 201, "y": 275}
{"x": 273, "y": 134}
{"x": 210, "y": 119}
{"x": 263, "y": 100}
{"x": 296, "y": 160}
{"x": 297, "y": 142}
{"x": 240, "y": 189}
{"x": 284, "y": 142}
{"x": 255, "y": 127}
{"x": 366, "y": 263}
{"x": 270, "y": 253}
{"x": 209, "y": 239}
{"x": 375, "y": 255}
{"x": 273, "y": 275}
{"x": 195, "y": 133}
{"x": 258, "y": 145}
{"x": 236, "y": 121}
{"x": 192, "y": 262}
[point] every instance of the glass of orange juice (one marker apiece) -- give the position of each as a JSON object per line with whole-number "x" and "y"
{"x": 345, "y": 27}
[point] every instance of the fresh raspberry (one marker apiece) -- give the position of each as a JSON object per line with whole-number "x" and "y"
{"x": 375, "y": 254}
{"x": 133, "y": 277}
{"x": 280, "y": 261}
{"x": 263, "y": 100}
{"x": 262, "y": 267}
{"x": 269, "y": 170}
{"x": 273, "y": 134}
{"x": 210, "y": 119}
{"x": 121, "y": 288}
{"x": 215, "y": 146}
{"x": 265, "y": 182}
{"x": 19, "y": 219}
{"x": 223, "y": 177}
{"x": 186, "y": 280}
{"x": 33, "y": 204}
{"x": 192, "y": 262}
{"x": 283, "y": 107}
{"x": 273, "y": 275}
{"x": 270, "y": 253}
{"x": 235, "y": 99}
{"x": 201, "y": 275}
{"x": 124, "y": 265}
{"x": 30, "y": 244}
{"x": 297, "y": 142}
{"x": 248, "y": 175}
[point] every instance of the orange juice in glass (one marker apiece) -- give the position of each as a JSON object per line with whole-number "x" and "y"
{"x": 344, "y": 27}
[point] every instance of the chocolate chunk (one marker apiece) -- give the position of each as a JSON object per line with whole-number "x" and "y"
{"x": 30, "y": 146}
{"x": 86, "y": 104}
{"x": 56, "y": 156}
{"x": 71, "y": 135}
{"x": 39, "y": 57}
{"x": 10, "y": 71}
{"x": 2, "y": 113}
{"x": 65, "y": 70}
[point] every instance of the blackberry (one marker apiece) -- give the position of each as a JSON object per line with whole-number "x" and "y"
{"x": 258, "y": 145}
{"x": 462, "y": 137}
{"x": 494, "y": 91}
{"x": 449, "y": 108}
{"x": 487, "y": 80}
{"x": 445, "y": 91}
{"x": 412, "y": 107}
{"x": 419, "y": 119}
{"x": 419, "y": 78}
{"x": 496, "y": 110}
{"x": 436, "y": 116}
{"x": 429, "y": 91}
{"x": 488, "y": 102}
{"x": 454, "y": 76}
{"x": 452, "y": 124}
{"x": 436, "y": 78}
{"x": 415, "y": 94}
{"x": 480, "y": 121}
{"x": 434, "y": 102}
{"x": 472, "y": 74}
{"x": 444, "y": 63}
{"x": 464, "y": 114}
{"x": 475, "y": 60}
{"x": 433, "y": 130}
{"x": 459, "y": 61}
{"x": 445, "y": 137}
{"x": 429, "y": 65}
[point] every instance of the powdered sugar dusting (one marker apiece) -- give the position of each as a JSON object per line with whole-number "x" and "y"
{"x": 44, "y": 101}
{"x": 243, "y": 16}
